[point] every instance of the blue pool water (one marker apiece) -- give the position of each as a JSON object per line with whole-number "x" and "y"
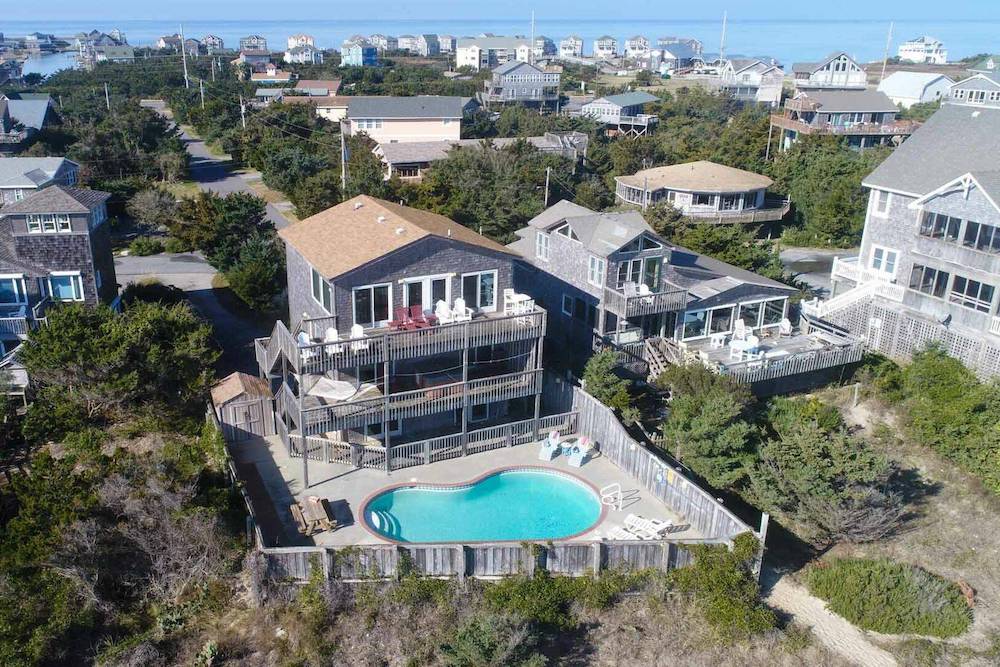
{"x": 511, "y": 505}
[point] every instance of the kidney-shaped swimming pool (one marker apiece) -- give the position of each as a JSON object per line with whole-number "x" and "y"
{"x": 508, "y": 505}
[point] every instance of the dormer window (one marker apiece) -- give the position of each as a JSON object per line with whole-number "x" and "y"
{"x": 568, "y": 232}
{"x": 646, "y": 243}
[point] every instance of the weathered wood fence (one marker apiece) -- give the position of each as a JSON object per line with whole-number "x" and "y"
{"x": 705, "y": 513}
{"x": 486, "y": 561}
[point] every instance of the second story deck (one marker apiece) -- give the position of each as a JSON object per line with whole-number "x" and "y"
{"x": 891, "y": 128}
{"x": 629, "y": 302}
{"x": 311, "y": 354}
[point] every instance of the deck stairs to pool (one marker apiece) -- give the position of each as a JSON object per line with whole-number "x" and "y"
{"x": 611, "y": 495}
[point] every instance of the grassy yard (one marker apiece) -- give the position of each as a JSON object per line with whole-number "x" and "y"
{"x": 181, "y": 188}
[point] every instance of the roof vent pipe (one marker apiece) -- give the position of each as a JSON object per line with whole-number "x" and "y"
{"x": 357, "y": 205}
{"x": 381, "y": 218}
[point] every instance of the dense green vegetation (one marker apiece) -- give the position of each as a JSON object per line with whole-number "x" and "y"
{"x": 945, "y": 407}
{"x": 115, "y": 528}
{"x": 794, "y": 458}
{"x": 892, "y": 598}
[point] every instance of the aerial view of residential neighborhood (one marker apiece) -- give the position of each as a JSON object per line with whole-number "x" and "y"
{"x": 557, "y": 334}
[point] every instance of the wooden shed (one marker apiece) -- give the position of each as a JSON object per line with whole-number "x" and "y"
{"x": 244, "y": 406}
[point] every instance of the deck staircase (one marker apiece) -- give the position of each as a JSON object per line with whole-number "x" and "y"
{"x": 660, "y": 353}
{"x": 822, "y": 309}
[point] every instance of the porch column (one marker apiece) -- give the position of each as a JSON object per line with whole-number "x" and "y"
{"x": 385, "y": 408}
{"x": 465, "y": 390}
{"x": 305, "y": 446}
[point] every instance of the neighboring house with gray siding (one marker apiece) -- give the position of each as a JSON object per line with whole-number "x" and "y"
{"x": 516, "y": 82}
{"x": 929, "y": 265}
{"x": 609, "y": 281}
{"x": 20, "y": 176}
{"x": 54, "y": 246}
{"x": 401, "y": 330}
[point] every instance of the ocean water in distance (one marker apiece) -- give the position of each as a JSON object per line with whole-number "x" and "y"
{"x": 786, "y": 40}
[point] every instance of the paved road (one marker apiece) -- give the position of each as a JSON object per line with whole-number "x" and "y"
{"x": 211, "y": 172}
{"x": 813, "y": 265}
{"x": 234, "y": 327}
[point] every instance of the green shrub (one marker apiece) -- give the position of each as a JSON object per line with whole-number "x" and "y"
{"x": 492, "y": 641}
{"x": 175, "y": 245}
{"x": 725, "y": 590}
{"x": 144, "y": 246}
{"x": 548, "y": 600}
{"x": 892, "y": 598}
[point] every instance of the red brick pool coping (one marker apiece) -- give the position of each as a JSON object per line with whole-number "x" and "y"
{"x": 473, "y": 482}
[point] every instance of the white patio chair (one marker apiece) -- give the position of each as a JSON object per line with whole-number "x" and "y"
{"x": 785, "y": 327}
{"x": 460, "y": 312}
{"x": 358, "y": 341}
{"x": 304, "y": 342}
{"x": 741, "y": 330}
{"x": 442, "y": 311}
{"x": 648, "y": 529}
{"x": 332, "y": 337}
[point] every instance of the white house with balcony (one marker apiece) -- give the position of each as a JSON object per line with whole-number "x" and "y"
{"x": 837, "y": 71}
{"x": 605, "y": 47}
{"x": 923, "y": 50}
{"x": 571, "y": 47}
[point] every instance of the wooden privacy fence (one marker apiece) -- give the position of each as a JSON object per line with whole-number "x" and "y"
{"x": 390, "y": 561}
{"x": 676, "y": 491}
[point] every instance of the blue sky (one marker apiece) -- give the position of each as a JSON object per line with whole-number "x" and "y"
{"x": 174, "y": 10}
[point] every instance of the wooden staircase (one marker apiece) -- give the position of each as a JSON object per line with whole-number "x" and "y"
{"x": 660, "y": 353}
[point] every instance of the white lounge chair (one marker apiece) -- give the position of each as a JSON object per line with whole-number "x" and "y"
{"x": 619, "y": 533}
{"x": 460, "y": 312}
{"x": 647, "y": 529}
{"x": 579, "y": 453}
{"x": 304, "y": 342}
{"x": 551, "y": 448}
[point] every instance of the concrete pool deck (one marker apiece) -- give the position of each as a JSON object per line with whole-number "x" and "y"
{"x": 281, "y": 476}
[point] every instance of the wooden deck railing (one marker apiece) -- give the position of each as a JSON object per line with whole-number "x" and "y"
{"x": 420, "y": 402}
{"x": 664, "y": 301}
{"x": 892, "y": 128}
{"x": 380, "y": 345}
{"x": 803, "y": 362}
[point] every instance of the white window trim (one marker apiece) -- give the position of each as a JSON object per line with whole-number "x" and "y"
{"x": 21, "y": 288}
{"x": 427, "y": 290}
{"x": 874, "y": 203}
{"x": 885, "y": 250}
{"x": 472, "y": 418}
{"x": 542, "y": 243}
{"x": 562, "y": 306}
{"x": 601, "y": 266}
{"x": 312, "y": 290}
{"x": 376, "y": 323}
{"x": 496, "y": 289}
{"x": 64, "y": 274}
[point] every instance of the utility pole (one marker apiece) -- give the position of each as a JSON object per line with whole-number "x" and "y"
{"x": 343, "y": 161}
{"x": 213, "y": 70}
{"x": 107, "y": 97}
{"x": 243, "y": 114}
{"x": 548, "y": 170}
{"x": 187, "y": 83}
{"x": 531, "y": 45}
{"x": 201, "y": 89}
{"x": 885, "y": 56}
{"x": 722, "y": 43}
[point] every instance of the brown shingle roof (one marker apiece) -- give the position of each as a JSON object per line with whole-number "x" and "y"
{"x": 699, "y": 176}
{"x": 235, "y": 384}
{"x": 360, "y": 230}
{"x": 58, "y": 199}
{"x": 319, "y": 100}
{"x": 332, "y": 85}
